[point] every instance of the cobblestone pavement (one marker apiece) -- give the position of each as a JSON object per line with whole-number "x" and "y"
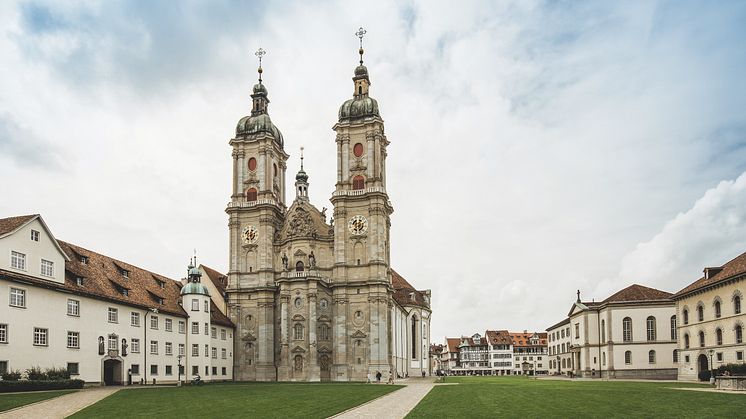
{"x": 61, "y": 407}
{"x": 393, "y": 405}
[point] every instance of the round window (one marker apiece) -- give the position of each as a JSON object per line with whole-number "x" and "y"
{"x": 252, "y": 164}
{"x": 298, "y": 302}
{"x": 358, "y": 150}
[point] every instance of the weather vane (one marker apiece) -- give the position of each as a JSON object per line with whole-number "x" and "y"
{"x": 360, "y": 34}
{"x": 301, "y": 158}
{"x": 261, "y": 53}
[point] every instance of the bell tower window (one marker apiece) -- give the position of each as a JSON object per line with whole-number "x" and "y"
{"x": 251, "y": 195}
{"x": 252, "y": 164}
{"x": 358, "y": 150}
{"x": 299, "y": 266}
{"x": 358, "y": 182}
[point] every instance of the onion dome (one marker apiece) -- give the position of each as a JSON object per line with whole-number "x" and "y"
{"x": 302, "y": 176}
{"x": 361, "y": 105}
{"x": 193, "y": 285}
{"x": 259, "y": 122}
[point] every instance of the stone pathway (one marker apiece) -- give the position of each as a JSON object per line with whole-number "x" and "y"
{"x": 61, "y": 407}
{"x": 393, "y": 405}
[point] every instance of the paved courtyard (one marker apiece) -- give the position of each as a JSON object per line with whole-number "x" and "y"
{"x": 393, "y": 405}
{"x": 60, "y": 407}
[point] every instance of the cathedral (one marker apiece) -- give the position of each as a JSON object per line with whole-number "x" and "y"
{"x": 313, "y": 296}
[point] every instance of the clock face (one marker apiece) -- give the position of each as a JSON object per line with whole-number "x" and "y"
{"x": 358, "y": 225}
{"x": 250, "y": 234}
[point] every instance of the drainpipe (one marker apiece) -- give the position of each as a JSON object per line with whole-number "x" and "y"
{"x": 146, "y": 345}
{"x": 598, "y": 323}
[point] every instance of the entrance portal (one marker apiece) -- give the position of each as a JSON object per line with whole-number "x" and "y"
{"x": 325, "y": 364}
{"x": 703, "y": 367}
{"x": 112, "y": 372}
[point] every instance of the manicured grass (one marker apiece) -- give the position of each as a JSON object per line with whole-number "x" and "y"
{"x": 265, "y": 400}
{"x": 12, "y": 400}
{"x": 482, "y": 397}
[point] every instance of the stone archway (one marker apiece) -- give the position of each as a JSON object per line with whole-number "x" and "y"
{"x": 112, "y": 372}
{"x": 702, "y": 366}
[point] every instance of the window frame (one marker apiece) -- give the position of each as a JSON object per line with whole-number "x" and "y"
{"x": 73, "y": 339}
{"x": 73, "y": 303}
{"x": 15, "y": 294}
{"x": 3, "y": 332}
{"x": 134, "y": 319}
{"x": 76, "y": 369}
{"x": 135, "y": 345}
{"x": 46, "y": 268}
{"x": 18, "y": 261}
{"x": 627, "y": 329}
{"x": 651, "y": 325}
{"x": 112, "y": 313}
{"x": 41, "y": 336}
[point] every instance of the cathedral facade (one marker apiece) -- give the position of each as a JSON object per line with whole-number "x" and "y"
{"x": 314, "y": 297}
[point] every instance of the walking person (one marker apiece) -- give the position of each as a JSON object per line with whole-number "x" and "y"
{"x": 369, "y": 378}
{"x": 378, "y": 377}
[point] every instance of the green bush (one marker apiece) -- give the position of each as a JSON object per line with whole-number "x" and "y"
{"x": 36, "y": 385}
{"x": 733, "y": 369}
{"x": 36, "y": 373}
{"x": 57, "y": 374}
{"x": 11, "y": 375}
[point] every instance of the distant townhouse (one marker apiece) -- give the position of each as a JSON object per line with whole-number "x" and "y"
{"x": 558, "y": 340}
{"x": 500, "y": 351}
{"x": 449, "y": 357}
{"x": 105, "y": 320}
{"x": 530, "y": 353}
{"x": 630, "y": 334}
{"x": 711, "y": 320}
{"x": 474, "y": 356}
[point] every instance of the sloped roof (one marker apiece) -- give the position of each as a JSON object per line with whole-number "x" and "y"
{"x": 498, "y": 337}
{"x": 734, "y": 267}
{"x": 436, "y": 349}
{"x": 561, "y": 323}
{"x": 636, "y": 292}
{"x": 453, "y": 344}
{"x": 404, "y": 292}
{"x": 10, "y": 224}
{"x": 219, "y": 280}
{"x": 218, "y": 317}
{"x": 523, "y": 339}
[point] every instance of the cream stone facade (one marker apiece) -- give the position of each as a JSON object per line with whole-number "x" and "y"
{"x": 627, "y": 335}
{"x": 560, "y": 356}
{"x": 105, "y": 320}
{"x": 711, "y": 320}
{"x": 314, "y": 297}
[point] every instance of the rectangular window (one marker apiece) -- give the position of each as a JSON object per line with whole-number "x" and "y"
{"x": 207, "y": 350}
{"x": 47, "y": 268}
{"x": 739, "y": 356}
{"x": 222, "y": 334}
{"x": 181, "y": 349}
{"x": 113, "y": 315}
{"x": 73, "y": 339}
{"x": 79, "y": 281}
{"x": 154, "y": 347}
{"x": 73, "y": 308}
{"x": 719, "y": 356}
{"x": 169, "y": 325}
{"x": 3, "y": 367}
{"x": 34, "y": 235}
{"x": 214, "y": 332}
{"x": 112, "y": 342}
{"x": 195, "y": 349}
{"x": 135, "y": 319}
{"x": 135, "y": 346}
{"x": 18, "y": 260}
{"x": 169, "y": 370}
{"x": 17, "y": 297}
{"x": 182, "y": 326}
{"x": 214, "y": 370}
{"x": 84, "y": 260}
{"x": 40, "y": 336}
{"x": 154, "y": 322}
{"x": 207, "y": 370}
{"x": 577, "y": 330}
{"x": 195, "y": 369}
{"x": 223, "y": 353}
{"x": 214, "y": 353}
{"x": 207, "y": 328}
{"x": 135, "y": 368}
{"x": 195, "y": 328}
{"x": 195, "y": 304}
{"x": 3, "y": 333}
{"x": 154, "y": 369}
{"x": 73, "y": 368}
{"x": 169, "y": 348}
{"x": 207, "y": 306}
{"x": 224, "y": 371}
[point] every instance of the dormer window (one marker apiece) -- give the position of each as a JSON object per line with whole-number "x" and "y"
{"x": 125, "y": 273}
{"x": 84, "y": 260}
{"x": 161, "y": 301}
{"x": 34, "y": 235}
{"x": 125, "y": 292}
{"x": 79, "y": 281}
{"x": 161, "y": 284}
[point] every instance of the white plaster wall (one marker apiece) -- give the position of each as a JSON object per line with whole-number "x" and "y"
{"x": 45, "y": 248}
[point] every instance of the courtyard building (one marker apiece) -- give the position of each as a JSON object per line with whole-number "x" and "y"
{"x": 530, "y": 353}
{"x": 711, "y": 320}
{"x": 105, "y": 320}
{"x": 627, "y": 335}
{"x": 314, "y": 296}
{"x": 560, "y": 356}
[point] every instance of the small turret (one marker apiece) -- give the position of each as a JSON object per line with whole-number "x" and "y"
{"x": 301, "y": 181}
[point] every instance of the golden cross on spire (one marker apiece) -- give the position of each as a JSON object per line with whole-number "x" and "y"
{"x": 360, "y": 34}
{"x": 260, "y": 53}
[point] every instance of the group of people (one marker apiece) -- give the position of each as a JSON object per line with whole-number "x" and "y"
{"x": 378, "y": 377}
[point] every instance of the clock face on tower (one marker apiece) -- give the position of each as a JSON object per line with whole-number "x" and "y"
{"x": 358, "y": 225}
{"x": 249, "y": 235}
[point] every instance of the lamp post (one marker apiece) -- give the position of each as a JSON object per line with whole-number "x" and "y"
{"x": 559, "y": 371}
{"x": 179, "y": 366}
{"x": 712, "y": 367}
{"x": 145, "y": 347}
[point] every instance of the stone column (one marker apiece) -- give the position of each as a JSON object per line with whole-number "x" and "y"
{"x": 370, "y": 160}
{"x": 265, "y": 368}
{"x": 340, "y": 371}
{"x": 339, "y": 158}
{"x": 241, "y": 170}
{"x": 262, "y": 170}
{"x": 283, "y": 370}
{"x": 314, "y": 372}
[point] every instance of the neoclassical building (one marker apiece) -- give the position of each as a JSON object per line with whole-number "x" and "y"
{"x": 560, "y": 357}
{"x": 712, "y": 319}
{"x": 313, "y": 296}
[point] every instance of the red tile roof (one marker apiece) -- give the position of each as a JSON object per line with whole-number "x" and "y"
{"x": 219, "y": 280}
{"x": 10, "y": 224}
{"x": 453, "y": 344}
{"x": 217, "y": 316}
{"x": 405, "y": 294}
{"x": 731, "y": 269}
{"x": 637, "y": 292}
{"x": 499, "y": 337}
{"x": 523, "y": 339}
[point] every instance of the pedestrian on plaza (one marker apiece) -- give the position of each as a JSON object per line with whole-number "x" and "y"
{"x": 391, "y": 377}
{"x": 378, "y": 377}
{"x": 370, "y": 376}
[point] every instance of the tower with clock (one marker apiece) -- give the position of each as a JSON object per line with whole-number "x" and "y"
{"x": 315, "y": 299}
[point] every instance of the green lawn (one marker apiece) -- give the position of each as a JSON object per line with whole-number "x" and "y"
{"x": 13, "y": 400}
{"x": 265, "y": 400}
{"x": 491, "y": 397}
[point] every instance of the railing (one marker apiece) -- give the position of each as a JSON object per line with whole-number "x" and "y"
{"x": 357, "y": 192}
{"x": 247, "y": 204}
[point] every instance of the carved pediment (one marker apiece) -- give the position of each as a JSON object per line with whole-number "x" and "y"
{"x": 299, "y": 253}
{"x": 358, "y": 334}
{"x": 298, "y": 318}
{"x": 324, "y": 350}
{"x": 248, "y": 337}
{"x": 324, "y": 319}
{"x": 298, "y": 349}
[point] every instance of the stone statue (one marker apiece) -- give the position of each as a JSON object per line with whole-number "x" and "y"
{"x": 285, "y": 261}
{"x": 312, "y": 260}
{"x": 101, "y": 345}
{"x": 124, "y": 347}
{"x": 323, "y": 212}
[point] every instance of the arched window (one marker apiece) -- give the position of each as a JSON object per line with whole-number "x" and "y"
{"x": 675, "y": 355}
{"x": 673, "y": 327}
{"x": 298, "y": 331}
{"x": 628, "y": 357}
{"x": 717, "y": 309}
{"x": 686, "y": 316}
{"x": 651, "y": 357}
{"x": 701, "y": 312}
{"x": 719, "y": 336}
{"x": 298, "y": 363}
{"x": 251, "y": 195}
{"x": 739, "y": 334}
{"x": 252, "y": 164}
{"x": 360, "y": 89}
{"x": 603, "y": 331}
{"x": 627, "y": 329}
{"x": 274, "y": 169}
{"x": 415, "y": 344}
{"x": 737, "y": 304}
{"x": 651, "y": 328}
{"x": 299, "y": 266}
{"x": 686, "y": 340}
{"x": 324, "y": 332}
{"x": 358, "y": 182}
{"x": 701, "y": 339}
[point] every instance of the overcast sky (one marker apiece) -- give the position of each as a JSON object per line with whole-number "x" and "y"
{"x": 536, "y": 148}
